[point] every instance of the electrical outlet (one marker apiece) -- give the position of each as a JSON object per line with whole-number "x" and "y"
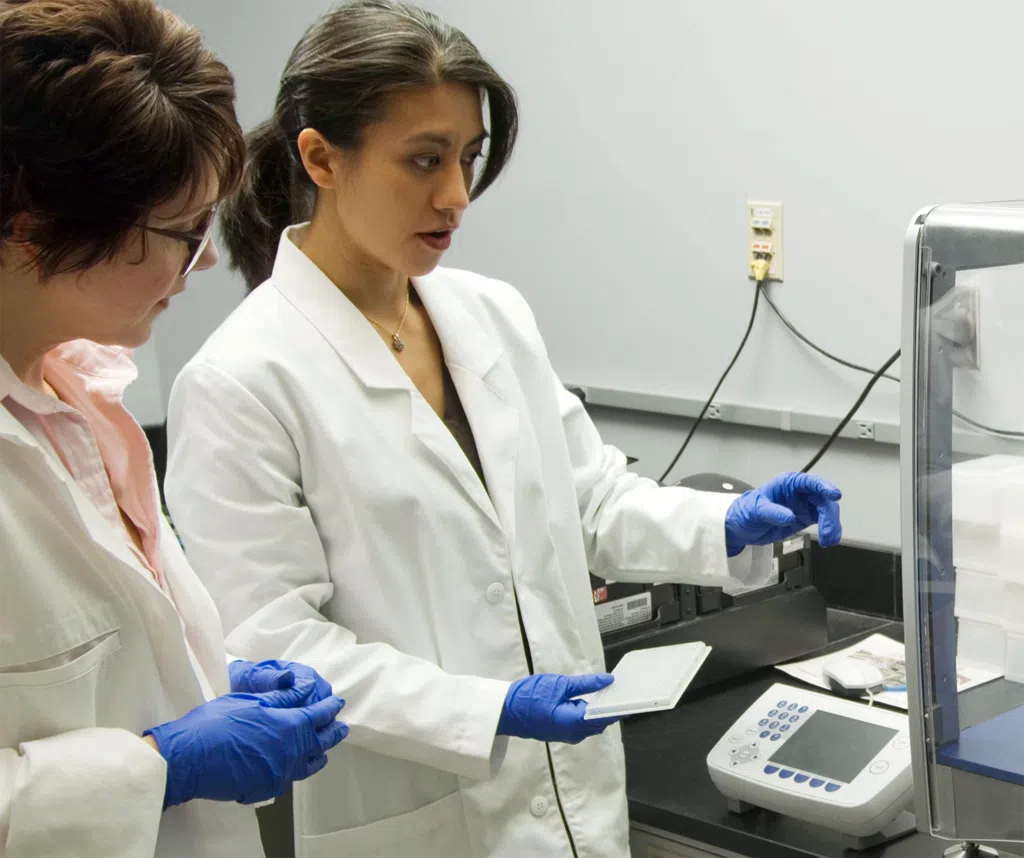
{"x": 866, "y": 431}
{"x": 714, "y": 412}
{"x": 764, "y": 235}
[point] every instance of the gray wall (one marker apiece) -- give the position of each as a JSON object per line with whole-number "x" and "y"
{"x": 622, "y": 216}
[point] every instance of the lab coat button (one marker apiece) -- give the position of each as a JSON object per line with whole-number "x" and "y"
{"x": 539, "y": 806}
{"x": 495, "y": 593}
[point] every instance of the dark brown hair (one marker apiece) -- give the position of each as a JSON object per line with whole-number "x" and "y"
{"x": 338, "y": 80}
{"x": 109, "y": 109}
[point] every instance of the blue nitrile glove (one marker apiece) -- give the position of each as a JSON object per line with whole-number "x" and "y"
{"x": 249, "y": 677}
{"x": 782, "y": 507}
{"x": 541, "y": 707}
{"x": 248, "y": 747}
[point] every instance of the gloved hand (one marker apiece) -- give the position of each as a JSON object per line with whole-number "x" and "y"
{"x": 248, "y": 677}
{"x": 782, "y": 507}
{"x": 541, "y": 707}
{"x": 248, "y": 747}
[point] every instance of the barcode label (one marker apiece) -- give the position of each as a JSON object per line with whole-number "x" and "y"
{"x": 623, "y": 613}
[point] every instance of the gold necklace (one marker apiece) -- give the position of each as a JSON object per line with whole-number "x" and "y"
{"x": 396, "y": 341}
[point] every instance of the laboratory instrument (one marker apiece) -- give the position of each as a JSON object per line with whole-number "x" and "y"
{"x": 825, "y": 760}
{"x": 963, "y": 522}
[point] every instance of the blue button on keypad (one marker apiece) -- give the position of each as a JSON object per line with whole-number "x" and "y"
{"x": 816, "y": 782}
{"x": 794, "y": 718}
{"x": 784, "y": 727}
{"x": 763, "y": 722}
{"x": 792, "y": 707}
{"x": 800, "y": 779}
{"x": 802, "y": 709}
{"x": 774, "y": 725}
{"x": 776, "y": 737}
{"x": 770, "y": 770}
{"x": 831, "y": 787}
{"x": 773, "y": 713}
{"x": 781, "y": 704}
{"x": 765, "y": 734}
{"x": 786, "y": 773}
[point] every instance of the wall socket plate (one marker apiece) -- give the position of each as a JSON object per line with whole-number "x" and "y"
{"x": 764, "y": 233}
{"x": 714, "y": 411}
{"x": 865, "y": 430}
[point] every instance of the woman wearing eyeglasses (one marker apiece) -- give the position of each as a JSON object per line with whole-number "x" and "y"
{"x": 118, "y": 734}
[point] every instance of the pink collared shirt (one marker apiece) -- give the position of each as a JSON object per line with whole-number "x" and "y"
{"x": 93, "y": 434}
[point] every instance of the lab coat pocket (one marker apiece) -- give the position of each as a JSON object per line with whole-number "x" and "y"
{"x": 42, "y": 700}
{"x": 437, "y": 830}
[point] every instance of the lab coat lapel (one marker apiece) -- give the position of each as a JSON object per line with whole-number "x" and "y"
{"x": 486, "y": 391}
{"x": 95, "y": 525}
{"x": 327, "y": 309}
{"x": 356, "y": 342}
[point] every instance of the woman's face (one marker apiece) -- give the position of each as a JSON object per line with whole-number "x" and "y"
{"x": 115, "y": 302}
{"x": 402, "y": 195}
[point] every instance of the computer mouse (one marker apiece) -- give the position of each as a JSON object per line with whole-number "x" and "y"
{"x": 851, "y": 677}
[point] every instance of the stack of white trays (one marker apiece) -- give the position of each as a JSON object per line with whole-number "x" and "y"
{"x": 988, "y": 553}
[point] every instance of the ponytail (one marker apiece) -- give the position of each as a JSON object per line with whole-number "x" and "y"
{"x": 264, "y": 204}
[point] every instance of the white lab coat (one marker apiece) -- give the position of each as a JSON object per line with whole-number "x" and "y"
{"x": 91, "y": 654}
{"x": 336, "y": 521}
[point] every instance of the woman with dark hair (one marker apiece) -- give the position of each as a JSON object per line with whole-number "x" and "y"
{"x": 118, "y": 137}
{"x": 375, "y": 469}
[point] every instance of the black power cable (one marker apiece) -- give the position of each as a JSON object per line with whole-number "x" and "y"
{"x": 1003, "y": 433}
{"x": 714, "y": 393}
{"x": 876, "y": 375}
{"x": 849, "y": 414}
{"x": 796, "y": 333}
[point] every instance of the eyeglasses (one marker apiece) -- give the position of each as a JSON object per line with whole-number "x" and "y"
{"x": 196, "y": 239}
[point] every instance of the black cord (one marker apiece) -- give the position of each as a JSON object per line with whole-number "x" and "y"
{"x": 796, "y": 333}
{"x": 1005, "y": 433}
{"x": 849, "y": 414}
{"x": 714, "y": 393}
{"x": 1001, "y": 433}
{"x": 876, "y": 375}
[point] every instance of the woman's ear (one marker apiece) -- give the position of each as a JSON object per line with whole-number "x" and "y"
{"x": 317, "y": 158}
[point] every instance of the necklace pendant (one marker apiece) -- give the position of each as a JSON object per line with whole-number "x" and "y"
{"x": 396, "y": 343}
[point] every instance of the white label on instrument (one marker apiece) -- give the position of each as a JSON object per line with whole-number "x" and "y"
{"x": 623, "y": 613}
{"x": 791, "y": 545}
